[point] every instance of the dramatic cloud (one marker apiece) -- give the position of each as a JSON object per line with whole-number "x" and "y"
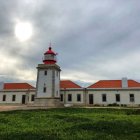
{"x": 95, "y": 39}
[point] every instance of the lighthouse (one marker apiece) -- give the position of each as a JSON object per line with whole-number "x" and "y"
{"x": 48, "y": 81}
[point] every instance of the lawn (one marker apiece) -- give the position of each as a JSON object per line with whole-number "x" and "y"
{"x": 70, "y": 124}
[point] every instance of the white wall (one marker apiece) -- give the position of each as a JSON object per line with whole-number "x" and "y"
{"x": 74, "y": 97}
{"x": 48, "y": 81}
{"x": 57, "y": 83}
{"x": 18, "y": 99}
{"x": 111, "y": 97}
{"x": 97, "y": 97}
{"x": 44, "y": 79}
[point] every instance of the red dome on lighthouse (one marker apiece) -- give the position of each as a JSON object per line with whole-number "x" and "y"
{"x": 49, "y": 56}
{"x": 49, "y": 51}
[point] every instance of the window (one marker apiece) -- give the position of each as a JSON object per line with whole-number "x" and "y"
{"x": 69, "y": 97}
{"x": 61, "y": 97}
{"x": 104, "y": 97}
{"x": 117, "y": 97}
{"x": 78, "y": 97}
{"x": 45, "y": 72}
{"x": 4, "y": 98}
{"x": 14, "y": 98}
{"x": 44, "y": 89}
{"x": 32, "y": 97}
{"x": 132, "y": 98}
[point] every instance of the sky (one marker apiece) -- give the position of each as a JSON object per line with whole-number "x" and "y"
{"x": 95, "y": 39}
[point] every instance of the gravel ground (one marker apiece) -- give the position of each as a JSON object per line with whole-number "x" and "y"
{"x": 25, "y": 107}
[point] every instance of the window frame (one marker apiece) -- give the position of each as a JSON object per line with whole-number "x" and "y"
{"x": 118, "y": 97}
{"x": 104, "y": 96}
{"x": 131, "y": 99}
{"x": 78, "y": 97}
{"x": 44, "y": 89}
{"x": 45, "y": 72}
{"x": 61, "y": 97}
{"x": 4, "y": 98}
{"x": 32, "y": 97}
{"x": 69, "y": 97}
{"x": 13, "y": 98}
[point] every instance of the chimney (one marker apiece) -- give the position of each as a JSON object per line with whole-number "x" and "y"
{"x": 1, "y": 85}
{"x": 124, "y": 82}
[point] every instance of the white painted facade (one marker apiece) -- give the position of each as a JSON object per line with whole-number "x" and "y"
{"x": 44, "y": 81}
{"x": 77, "y": 96}
{"x": 97, "y": 97}
{"x": 17, "y": 96}
{"x": 57, "y": 83}
{"x": 48, "y": 81}
{"x": 85, "y": 95}
{"x": 111, "y": 94}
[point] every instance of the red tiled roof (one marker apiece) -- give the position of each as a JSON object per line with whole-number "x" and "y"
{"x": 68, "y": 84}
{"x": 132, "y": 83}
{"x": 113, "y": 84}
{"x": 18, "y": 86}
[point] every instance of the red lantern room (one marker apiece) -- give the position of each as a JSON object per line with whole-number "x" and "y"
{"x": 49, "y": 57}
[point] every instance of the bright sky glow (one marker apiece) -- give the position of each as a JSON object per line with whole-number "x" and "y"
{"x": 23, "y": 31}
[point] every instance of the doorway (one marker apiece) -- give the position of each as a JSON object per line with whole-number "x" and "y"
{"x": 90, "y": 99}
{"x": 23, "y": 99}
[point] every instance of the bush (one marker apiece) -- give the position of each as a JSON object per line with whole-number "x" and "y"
{"x": 123, "y": 105}
{"x": 97, "y": 105}
{"x": 114, "y": 104}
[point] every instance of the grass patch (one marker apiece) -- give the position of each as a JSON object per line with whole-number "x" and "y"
{"x": 70, "y": 124}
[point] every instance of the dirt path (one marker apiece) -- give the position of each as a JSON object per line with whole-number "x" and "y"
{"x": 8, "y": 108}
{"x": 25, "y": 107}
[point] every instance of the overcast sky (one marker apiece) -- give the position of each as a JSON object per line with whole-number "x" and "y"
{"x": 94, "y": 39}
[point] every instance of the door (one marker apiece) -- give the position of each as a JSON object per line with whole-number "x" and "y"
{"x": 23, "y": 99}
{"x": 90, "y": 98}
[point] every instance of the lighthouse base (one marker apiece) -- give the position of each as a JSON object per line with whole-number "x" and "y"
{"x": 47, "y": 102}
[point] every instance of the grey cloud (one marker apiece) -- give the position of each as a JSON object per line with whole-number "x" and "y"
{"x": 86, "y": 35}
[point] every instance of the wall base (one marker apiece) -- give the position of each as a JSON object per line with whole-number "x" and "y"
{"x": 48, "y": 102}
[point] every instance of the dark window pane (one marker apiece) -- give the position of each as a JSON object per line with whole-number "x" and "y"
{"x": 69, "y": 97}
{"x": 78, "y": 97}
{"x": 61, "y": 97}
{"x": 117, "y": 97}
{"x": 45, "y": 72}
{"x": 44, "y": 89}
{"x": 104, "y": 97}
{"x": 132, "y": 98}
{"x": 4, "y": 98}
{"x": 32, "y": 97}
{"x": 13, "y": 97}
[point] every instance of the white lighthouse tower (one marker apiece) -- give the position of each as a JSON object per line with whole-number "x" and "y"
{"x": 48, "y": 81}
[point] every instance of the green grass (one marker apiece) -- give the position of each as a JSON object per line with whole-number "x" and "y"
{"x": 70, "y": 124}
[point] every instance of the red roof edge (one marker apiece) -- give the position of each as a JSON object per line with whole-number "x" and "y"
{"x": 114, "y": 84}
{"x": 18, "y": 86}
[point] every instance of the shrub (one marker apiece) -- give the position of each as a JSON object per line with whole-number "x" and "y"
{"x": 114, "y": 104}
{"x": 123, "y": 105}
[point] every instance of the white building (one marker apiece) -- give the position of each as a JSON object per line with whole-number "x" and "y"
{"x": 17, "y": 93}
{"x": 50, "y": 91}
{"x": 102, "y": 93}
{"x": 121, "y": 92}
